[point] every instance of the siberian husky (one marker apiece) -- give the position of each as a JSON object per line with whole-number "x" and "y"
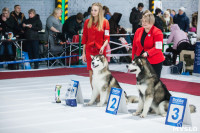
{"x": 103, "y": 81}
{"x": 153, "y": 94}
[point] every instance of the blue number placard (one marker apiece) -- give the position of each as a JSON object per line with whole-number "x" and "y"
{"x": 176, "y": 111}
{"x": 114, "y": 100}
{"x": 75, "y": 86}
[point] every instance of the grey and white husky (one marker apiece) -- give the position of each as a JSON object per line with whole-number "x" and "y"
{"x": 102, "y": 80}
{"x": 153, "y": 94}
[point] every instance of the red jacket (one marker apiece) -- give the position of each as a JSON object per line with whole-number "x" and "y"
{"x": 153, "y": 45}
{"x": 92, "y": 37}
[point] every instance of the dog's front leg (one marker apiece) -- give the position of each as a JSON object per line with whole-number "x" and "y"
{"x": 95, "y": 93}
{"x": 147, "y": 103}
{"x": 103, "y": 96}
{"x": 140, "y": 107}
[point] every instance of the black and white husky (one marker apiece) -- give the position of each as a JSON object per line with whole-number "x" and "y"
{"x": 153, "y": 94}
{"x": 102, "y": 80}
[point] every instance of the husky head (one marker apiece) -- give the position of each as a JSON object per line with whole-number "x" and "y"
{"x": 99, "y": 62}
{"x": 137, "y": 64}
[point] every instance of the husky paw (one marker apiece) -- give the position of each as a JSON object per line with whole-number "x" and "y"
{"x": 143, "y": 115}
{"x": 136, "y": 113}
{"x": 99, "y": 104}
{"x": 164, "y": 115}
{"x": 88, "y": 104}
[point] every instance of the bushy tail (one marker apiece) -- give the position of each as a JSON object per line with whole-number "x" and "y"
{"x": 192, "y": 108}
{"x": 132, "y": 99}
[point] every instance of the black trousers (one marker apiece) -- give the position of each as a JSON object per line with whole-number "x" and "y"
{"x": 157, "y": 68}
{"x": 32, "y": 47}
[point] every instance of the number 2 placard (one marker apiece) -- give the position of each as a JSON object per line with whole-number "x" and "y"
{"x": 114, "y": 100}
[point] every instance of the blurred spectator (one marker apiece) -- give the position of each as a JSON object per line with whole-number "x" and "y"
{"x": 53, "y": 26}
{"x": 182, "y": 20}
{"x": 136, "y": 16}
{"x": 193, "y": 27}
{"x": 32, "y": 25}
{"x": 86, "y": 15}
{"x": 158, "y": 20}
{"x": 170, "y": 12}
{"x": 167, "y": 21}
{"x": 107, "y": 13}
{"x": 72, "y": 25}
{"x": 115, "y": 28}
{"x": 173, "y": 13}
{"x": 114, "y": 23}
{"x": 19, "y": 19}
{"x": 178, "y": 37}
{"x": 146, "y": 11}
{"x": 6, "y": 26}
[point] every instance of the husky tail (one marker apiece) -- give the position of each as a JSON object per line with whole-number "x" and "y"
{"x": 192, "y": 108}
{"x": 132, "y": 99}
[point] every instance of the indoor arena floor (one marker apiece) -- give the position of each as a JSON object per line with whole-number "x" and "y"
{"x": 27, "y": 105}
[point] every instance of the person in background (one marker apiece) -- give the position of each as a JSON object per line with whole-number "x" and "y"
{"x": 170, "y": 12}
{"x": 178, "y": 37}
{"x": 86, "y": 15}
{"x": 148, "y": 42}
{"x": 6, "y": 26}
{"x": 115, "y": 28}
{"x": 136, "y": 16}
{"x": 146, "y": 11}
{"x": 53, "y": 26}
{"x": 193, "y": 27}
{"x": 72, "y": 25}
{"x": 158, "y": 20}
{"x": 32, "y": 25}
{"x": 182, "y": 20}
{"x": 95, "y": 37}
{"x": 167, "y": 21}
{"x": 19, "y": 19}
{"x": 107, "y": 13}
{"x": 173, "y": 13}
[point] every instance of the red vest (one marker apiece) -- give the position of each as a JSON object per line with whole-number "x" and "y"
{"x": 153, "y": 44}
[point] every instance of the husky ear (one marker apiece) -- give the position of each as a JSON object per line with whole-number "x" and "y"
{"x": 92, "y": 56}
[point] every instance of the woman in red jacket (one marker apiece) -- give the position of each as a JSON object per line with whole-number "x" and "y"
{"x": 95, "y": 35}
{"x": 148, "y": 42}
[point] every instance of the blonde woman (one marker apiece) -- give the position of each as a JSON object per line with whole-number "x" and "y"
{"x": 53, "y": 25}
{"x": 167, "y": 21}
{"x": 148, "y": 42}
{"x": 95, "y": 35}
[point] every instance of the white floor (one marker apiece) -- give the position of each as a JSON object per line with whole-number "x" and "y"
{"x": 27, "y": 106}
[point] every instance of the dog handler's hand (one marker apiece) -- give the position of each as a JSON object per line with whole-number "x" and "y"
{"x": 84, "y": 58}
{"x": 145, "y": 54}
{"x": 101, "y": 50}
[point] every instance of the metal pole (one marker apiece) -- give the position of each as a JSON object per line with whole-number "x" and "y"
{"x": 79, "y": 62}
{"x": 63, "y": 13}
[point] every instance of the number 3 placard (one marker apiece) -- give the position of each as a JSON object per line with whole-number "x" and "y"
{"x": 177, "y": 111}
{"x": 116, "y": 102}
